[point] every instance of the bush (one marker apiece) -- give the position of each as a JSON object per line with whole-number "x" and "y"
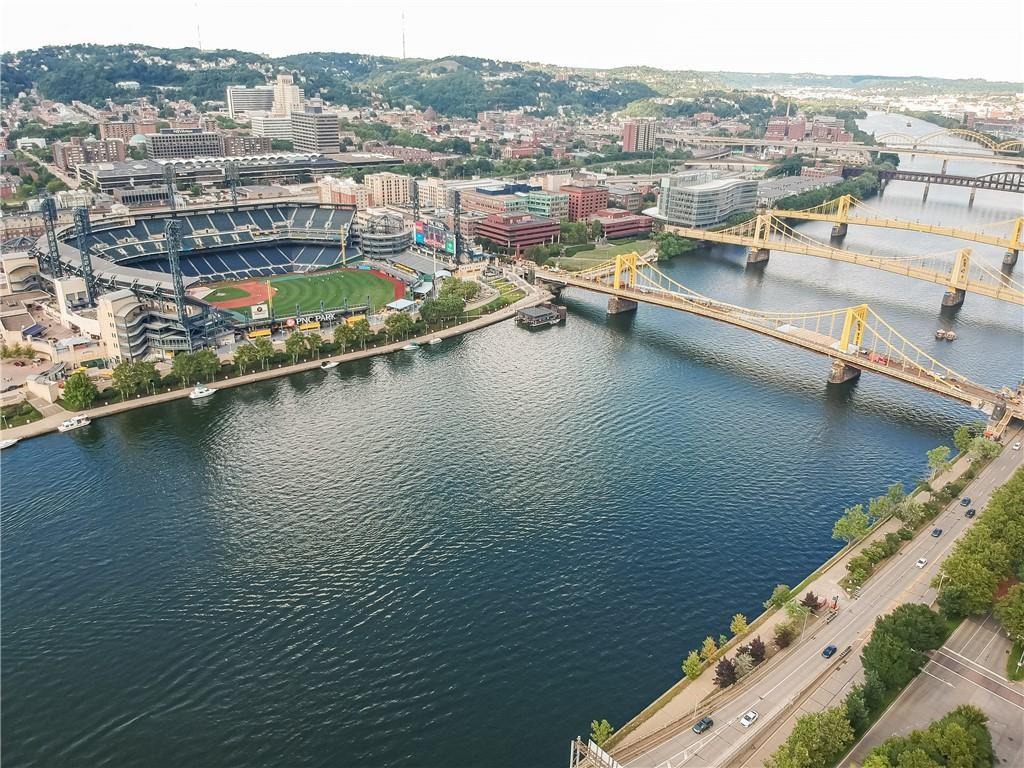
{"x": 905, "y": 533}
{"x": 784, "y": 635}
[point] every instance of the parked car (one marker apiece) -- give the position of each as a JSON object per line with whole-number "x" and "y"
{"x": 970, "y": 512}
{"x": 965, "y": 501}
{"x": 703, "y": 724}
{"x": 921, "y": 563}
{"x": 829, "y": 651}
{"x": 936, "y": 532}
{"x": 748, "y": 719}
{"x": 1016, "y": 446}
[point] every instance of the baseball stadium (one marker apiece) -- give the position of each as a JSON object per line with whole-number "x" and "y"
{"x": 183, "y": 279}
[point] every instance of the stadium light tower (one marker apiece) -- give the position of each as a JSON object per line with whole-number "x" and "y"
{"x": 456, "y": 216}
{"x": 169, "y": 181}
{"x": 172, "y": 237}
{"x": 415, "y": 200}
{"x": 231, "y": 174}
{"x": 49, "y": 211}
{"x": 82, "y": 230}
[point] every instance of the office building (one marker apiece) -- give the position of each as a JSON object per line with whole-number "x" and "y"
{"x": 126, "y": 129}
{"x": 287, "y": 96}
{"x": 704, "y": 204}
{"x": 314, "y": 130}
{"x": 616, "y": 223}
{"x": 389, "y": 188}
{"x": 344, "y": 192}
{"x": 628, "y": 197}
{"x": 550, "y": 205}
{"x": 271, "y": 126}
{"x": 638, "y": 136}
{"x": 237, "y": 146}
{"x": 67, "y": 155}
{"x": 517, "y": 231}
{"x": 491, "y": 202}
{"x": 241, "y": 99}
{"x": 585, "y": 200}
{"x": 183, "y": 143}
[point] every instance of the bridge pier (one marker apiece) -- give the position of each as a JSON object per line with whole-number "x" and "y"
{"x": 970, "y": 201}
{"x": 1010, "y": 258}
{"x": 842, "y": 372}
{"x": 945, "y": 164}
{"x": 954, "y": 297}
{"x": 839, "y": 230}
{"x": 758, "y": 255}
{"x": 619, "y": 306}
{"x": 927, "y": 186}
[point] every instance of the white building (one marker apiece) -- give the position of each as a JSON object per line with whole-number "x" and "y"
{"x": 242, "y": 99}
{"x": 705, "y": 204}
{"x": 287, "y": 96}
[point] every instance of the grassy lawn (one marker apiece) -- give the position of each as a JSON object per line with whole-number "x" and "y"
{"x": 225, "y": 293}
{"x": 1013, "y": 672}
{"x": 587, "y": 259}
{"x": 18, "y": 414}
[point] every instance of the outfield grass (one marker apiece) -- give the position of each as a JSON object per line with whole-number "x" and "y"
{"x": 587, "y": 259}
{"x": 225, "y": 293}
{"x": 335, "y": 289}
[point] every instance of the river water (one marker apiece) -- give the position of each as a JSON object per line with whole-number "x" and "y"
{"x": 460, "y": 556}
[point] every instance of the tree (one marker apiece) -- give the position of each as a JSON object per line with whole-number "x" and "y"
{"x": 893, "y": 661}
{"x": 601, "y": 731}
{"x": 708, "y": 649}
{"x": 780, "y": 596}
{"x": 796, "y": 611}
{"x": 184, "y": 367}
{"x": 784, "y": 634}
{"x": 857, "y": 710}
{"x": 984, "y": 448}
{"x": 207, "y": 364}
{"x": 853, "y": 525}
{"x": 313, "y": 343}
{"x": 722, "y": 641}
{"x": 938, "y": 460}
{"x": 743, "y": 663}
{"x": 757, "y": 650}
{"x": 725, "y": 673}
{"x": 131, "y": 376}
{"x": 914, "y": 624}
{"x": 295, "y": 345}
{"x": 1009, "y": 610}
{"x": 817, "y": 740}
{"x": 670, "y": 245}
{"x": 361, "y": 331}
{"x": 810, "y": 601}
{"x": 693, "y": 666}
{"x": 263, "y": 350}
{"x": 245, "y": 357}
{"x": 343, "y": 336}
{"x": 398, "y": 325}
{"x": 739, "y": 624}
{"x": 79, "y": 391}
{"x": 963, "y": 437}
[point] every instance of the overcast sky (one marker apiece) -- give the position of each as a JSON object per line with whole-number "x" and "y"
{"x": 948, "y": 38}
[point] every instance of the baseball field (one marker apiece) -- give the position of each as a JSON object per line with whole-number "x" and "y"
{"x": 335, "y": 289}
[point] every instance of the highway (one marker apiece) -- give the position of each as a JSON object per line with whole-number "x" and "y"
{"x": 774, "y": 694}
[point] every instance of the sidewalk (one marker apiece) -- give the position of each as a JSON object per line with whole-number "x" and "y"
{"x": 49, "y": 422}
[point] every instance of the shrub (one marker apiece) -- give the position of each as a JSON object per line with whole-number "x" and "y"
{"x": 784, "y": 634}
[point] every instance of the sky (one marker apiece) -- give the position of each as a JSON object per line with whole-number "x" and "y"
{"x": 983, "y": 38}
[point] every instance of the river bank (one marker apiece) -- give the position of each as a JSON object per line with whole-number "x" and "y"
{"x": 50, "y": 423}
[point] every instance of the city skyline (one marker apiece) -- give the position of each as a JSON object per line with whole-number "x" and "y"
{"x": 572, "y": 34}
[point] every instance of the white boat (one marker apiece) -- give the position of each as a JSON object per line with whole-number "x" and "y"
{"x": 410, "y": 347}
{"x": 8, "y": 443}
{"x": 81, "y": 420}
{"x": 435, "y": 340}
{"x": 199, "y": 391}
{"x": 326, "y": 365}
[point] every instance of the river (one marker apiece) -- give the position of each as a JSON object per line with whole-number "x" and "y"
{"x": 460, "y": 556}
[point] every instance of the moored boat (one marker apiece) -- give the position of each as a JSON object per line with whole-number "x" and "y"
{"x": 326, "y": 365}
{"x": 8, "y": 443}
{"x": 940, "y": 334}
{"x": 435, "y": 340}
{"x": 199, "y": 391}
{"x": 81, "y": 420}
{"x": 950, "y": 335}
{"x": 410, "y": 346}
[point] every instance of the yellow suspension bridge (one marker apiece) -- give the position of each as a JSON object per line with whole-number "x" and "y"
{"x": 957, "y": 272}
{"x": 854, "y": 338}
{"x": 897, "y": 139}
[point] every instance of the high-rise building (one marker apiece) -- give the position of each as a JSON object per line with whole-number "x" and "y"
{"x": 271, "y": 126}
{"x": 77, "y": 150}
{"x": 585, "y": 200}
{"x": 314, "y": 130}
{"x": 638, "y": 136}
{"x": 287, "y": 96}
{"x": 188, "y": 142}
{"x": 242, "y": 99}
{"x": 704, "y": 204}
{"x": 389, "y": 188}
{"x": 238, "y": 146}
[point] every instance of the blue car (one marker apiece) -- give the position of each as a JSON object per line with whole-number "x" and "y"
{"x": 965, "y": 501}
{"x": 829, "y": 651}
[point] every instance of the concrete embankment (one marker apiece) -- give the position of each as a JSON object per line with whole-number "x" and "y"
{"x": 50, "y": 423}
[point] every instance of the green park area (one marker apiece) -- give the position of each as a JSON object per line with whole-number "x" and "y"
{"x": 591, "y": 258}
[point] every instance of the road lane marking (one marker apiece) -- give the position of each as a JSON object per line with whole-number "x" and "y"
{"x": 979, "y": 685}
{"x": 938, "y": 678}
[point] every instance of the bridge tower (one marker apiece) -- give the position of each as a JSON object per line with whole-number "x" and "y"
{"x": 172, "y": 238}
{"x": 82, "y": 230}
{"x": 1010, "y": 258}
{"x": 954, "y": 297}
{"x": 49, "y": 211}
{"x": 850, "y": 341}
{"x": 760, "y": 254}
{"x": 842, "y": 212}
{"x": 626, "y": 265}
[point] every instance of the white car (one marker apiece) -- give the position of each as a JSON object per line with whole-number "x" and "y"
{"x": 748, "y": 719}
{"x": 1016, "y": 446}
{"x": 921, "y": 563}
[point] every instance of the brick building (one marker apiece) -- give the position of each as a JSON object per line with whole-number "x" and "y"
{"x": 517, "y": 231}
{"x": 585, "y": 200}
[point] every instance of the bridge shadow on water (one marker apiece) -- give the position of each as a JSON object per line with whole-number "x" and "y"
{"x": 841, "y": 401}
